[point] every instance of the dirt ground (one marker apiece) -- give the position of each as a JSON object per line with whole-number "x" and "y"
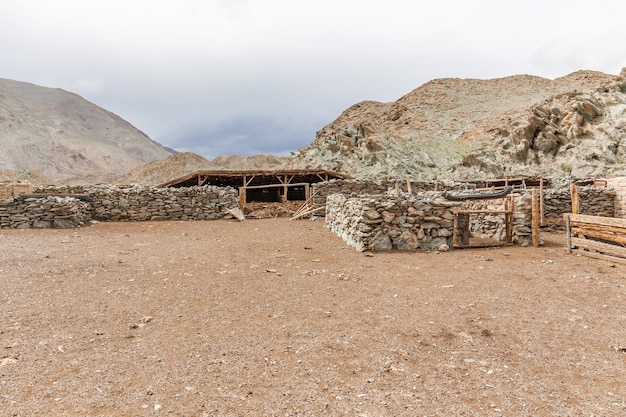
{"x": 281, "y": 318}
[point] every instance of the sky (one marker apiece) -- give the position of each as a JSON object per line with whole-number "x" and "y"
{"x": 218, "y": 77}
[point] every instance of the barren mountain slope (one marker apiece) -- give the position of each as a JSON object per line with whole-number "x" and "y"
{"x": 183, "y": 163}
{"x": 261, "y": 162}
{"x": 163, "y": 170}
{"x": 61, "y": 135}
{"x": 458, "y": 128}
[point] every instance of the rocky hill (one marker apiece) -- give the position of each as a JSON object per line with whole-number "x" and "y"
{"x": 183, "y": 163}
{"x": 468, "y": 128}
{"x": 63, "y": 136}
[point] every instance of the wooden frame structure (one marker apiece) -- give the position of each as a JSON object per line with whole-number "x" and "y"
{"x": 596, "y": 236}
{"x": 251, "y": 184}
{"x": 461, "y": 233}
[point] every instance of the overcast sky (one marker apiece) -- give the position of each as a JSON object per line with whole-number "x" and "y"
{"x": 218, "y": 77}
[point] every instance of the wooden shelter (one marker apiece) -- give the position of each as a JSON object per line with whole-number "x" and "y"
{"x": 262, "y": 186}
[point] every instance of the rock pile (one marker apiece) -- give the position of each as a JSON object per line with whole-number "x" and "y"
{"x": 43, "y": 213}
{"x": 56, "y": 208}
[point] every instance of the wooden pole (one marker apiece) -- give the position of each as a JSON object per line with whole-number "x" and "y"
{"x": 575, "y": 199}
{"x": 535, "y": 218}
{"x": 408, "y": 185}
{"x": 541, "y": 210}
{"x": 568, "y": 228}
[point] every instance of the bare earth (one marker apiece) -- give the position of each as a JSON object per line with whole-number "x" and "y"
{"x": 281, "y": 318}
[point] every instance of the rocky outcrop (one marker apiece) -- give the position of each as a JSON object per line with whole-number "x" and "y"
{"x": 467, "y": 129}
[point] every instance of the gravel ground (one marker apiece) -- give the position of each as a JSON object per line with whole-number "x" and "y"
{"x": 281, "y": 318}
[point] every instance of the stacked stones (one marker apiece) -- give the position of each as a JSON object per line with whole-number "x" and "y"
{"x": 140, "y": 203}
{"x": 43, "y": 213}
{"x": 357, "y": 187}
{"x": 111, "y": 203}
{"x": 593, "y": 201}
{"x": 385, "y": 222}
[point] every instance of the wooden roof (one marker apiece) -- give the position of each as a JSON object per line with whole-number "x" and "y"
{"x": 225, "y": 178}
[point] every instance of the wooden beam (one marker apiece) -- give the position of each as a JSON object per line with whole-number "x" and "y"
{"x": 535, "y": 218}
{"x": 597, "y": 255}
{"x": 596, "y": 220}
{"x": 601, "y": 247}
{"x": 242, "y": 197}
{"x": 575, "y": 199}
{"x": 600, "y": 235}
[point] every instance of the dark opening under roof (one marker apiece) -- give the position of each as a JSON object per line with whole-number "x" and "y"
{"x": 236, "y": 179}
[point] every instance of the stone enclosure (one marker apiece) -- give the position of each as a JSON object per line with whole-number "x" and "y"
{"x": 367, "y": 215}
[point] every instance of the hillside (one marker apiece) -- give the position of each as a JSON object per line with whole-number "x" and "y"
{"x": 63, "y": 136}
{"x": 468, "y": 128}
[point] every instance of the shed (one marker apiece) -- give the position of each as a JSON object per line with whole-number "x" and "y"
{"x": 261, "y": 186}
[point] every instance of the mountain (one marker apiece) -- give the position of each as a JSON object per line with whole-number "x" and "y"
{"x": 180, "y": 164}
{"x": 63, "y": 136}
{"x": 468, "y": 128}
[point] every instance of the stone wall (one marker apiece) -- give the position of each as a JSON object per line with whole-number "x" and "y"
{"x": 43, "y": 213}
{"x": 619, "y": 203}
{"x": 322, "y": 190}
{"x": 593, "y": 201}
{"x": 111, "y": 203}
{"x": 423, "y": 221}
{"x": 385, "y": 222}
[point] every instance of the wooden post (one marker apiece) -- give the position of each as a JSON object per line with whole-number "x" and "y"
{"x": 535, "y": 218}
{"x": 242, "y": 197}
{"x": 461, "y": 233}
{"x": 397, "y": 188}
{"x": 408, "y": 185}
{"x": 575, "y": 199}
{"x": 568, "y": 230}
{"x": 541, "y": 210}
{"x": 508, "y": 218}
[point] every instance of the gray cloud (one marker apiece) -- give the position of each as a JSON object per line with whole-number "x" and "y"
{"x": 249, "y": 76}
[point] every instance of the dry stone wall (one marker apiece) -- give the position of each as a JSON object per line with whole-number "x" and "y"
{"x": 53, "y": 208}
{"x": 593, "y": 201}
{"x": 348, "y": 188}
{"x": 384, "y": 222}
{"x": 43, "y": 213}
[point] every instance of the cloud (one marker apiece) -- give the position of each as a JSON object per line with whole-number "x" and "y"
{"x": 245, "y": 76}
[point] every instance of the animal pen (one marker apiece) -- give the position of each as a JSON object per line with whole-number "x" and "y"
{"x": 594, "y": 236}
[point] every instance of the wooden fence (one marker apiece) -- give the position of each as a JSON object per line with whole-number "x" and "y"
{"x": 596, "y": 236}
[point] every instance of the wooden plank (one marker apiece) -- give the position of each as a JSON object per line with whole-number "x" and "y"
{"x": 575, "y": 199}
{"x": 535, "y": 218}
{"x": 483, "y": 212}
{"x": 599, "y": 256}
{"x": 600, "y": 235}
{"x": 600, "y": 228}
{"x": 596, "y": 220}
{"x": 601, "y": 247}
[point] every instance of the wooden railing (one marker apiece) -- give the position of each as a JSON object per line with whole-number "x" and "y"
{"x": 596, "y": 236}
